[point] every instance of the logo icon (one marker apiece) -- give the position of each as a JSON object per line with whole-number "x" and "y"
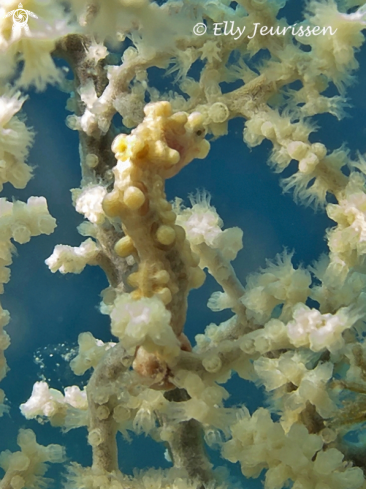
{"x": 20, "y": 20}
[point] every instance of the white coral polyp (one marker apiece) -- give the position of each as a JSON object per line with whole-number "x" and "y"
{"x": 335, "y": 51}
{"x": 220, "y": 301}
{"x": 51, "y": 402}
{"x": 229, "y": 242}
{"x": 350, "y": 215}
{"x": 151, "y": 402}
{"x": 88, "y": 201}
{"x": 258, "y": 442}
{"x": 309, "y": 328}
{"x": 15, "y": 141}
{"x": 43, "y": 401}
{"x": 97, "y": 52}
{"x": 36, "y": 214}
{"x": 69, "y": 259}
{"x": 90, "y": 353}
{"x": 278, "y": 283}
{"x": 135, "y": 321}
{"x": 201, "y": 222}
{"x": 20, "y": 221}
{"x": 34, "y": 42}
{"x": 75, "y": 397}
